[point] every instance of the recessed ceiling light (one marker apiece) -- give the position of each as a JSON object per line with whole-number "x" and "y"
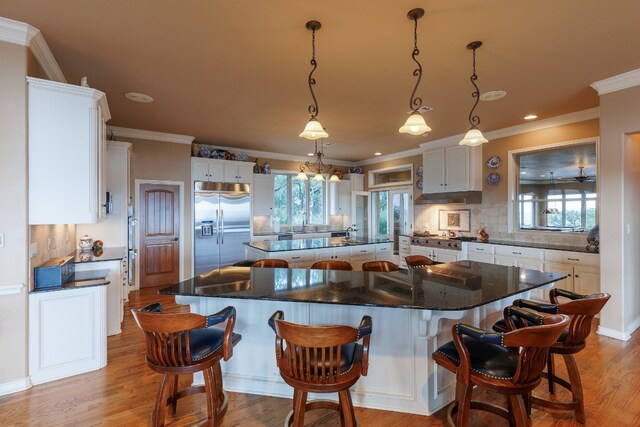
{"x": 493, "y": 95}
{"x": 530, "y": 117}
{"x": 310, "y": 154}
{"x": 542, "y": 176}
{"x": 377, "y": 153}
{"x": 523, "y": 173}
{"x": 138, "y": 97}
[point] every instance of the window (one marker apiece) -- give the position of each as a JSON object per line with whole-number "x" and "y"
{"x": 553, "y": 194}
{"x": 299, "y": 202}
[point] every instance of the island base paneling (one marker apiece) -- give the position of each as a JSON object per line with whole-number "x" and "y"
{"x": 402, "y": 376}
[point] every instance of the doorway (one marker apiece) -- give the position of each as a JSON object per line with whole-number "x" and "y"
{"x": 392, "y": 212}
{"x": 159, "y": 215}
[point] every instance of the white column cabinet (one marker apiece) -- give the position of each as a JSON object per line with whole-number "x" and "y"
{"x": 67, "y": 153}
{"x": 340, "y": 193}
{"x": 263, "y": 194}
{"x": 454, "y": 168}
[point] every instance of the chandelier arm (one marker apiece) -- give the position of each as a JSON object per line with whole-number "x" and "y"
{"x": 415, "y": 102}
{"x": 313, "y": 109}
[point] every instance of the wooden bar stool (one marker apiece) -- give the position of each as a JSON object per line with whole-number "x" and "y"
{"x": 414, "y": 261}
{"x": 321, "y": 359}
{"x": 184, "y": 343}
{"x": 381, "y": 266}
{"x": 271, "y": 263}
{"x": 332, "y": 265}
{"x": 510, "y": 363}
{"x": 582, "y": 309}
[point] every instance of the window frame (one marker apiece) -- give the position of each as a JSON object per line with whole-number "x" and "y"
{"x": 513, "y": 202}
{"x": 306, "y": 217}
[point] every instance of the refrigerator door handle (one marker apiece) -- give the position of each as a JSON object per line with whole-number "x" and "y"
{"x": 217, "y": 228}
{"x": 222, "y": 226}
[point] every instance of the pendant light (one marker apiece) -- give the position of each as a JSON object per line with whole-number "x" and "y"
{"x": 313, "y": 129}
{"x": 549, "y": 210}
{"x": 581, "y": 176}
{"x": 474, "y": 137}
{"x": 415, "y": 124}
{"x": 317, "y": 167}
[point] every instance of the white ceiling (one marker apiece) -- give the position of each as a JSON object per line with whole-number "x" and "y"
{"x": 235, "y": 73}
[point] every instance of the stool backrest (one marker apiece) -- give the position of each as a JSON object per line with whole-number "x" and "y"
{"x": 332, "y": 265}
{"x": 271, "y": 263}
{"x": 414, "y": 261}
{"x": 582, "y": 311}
{"x": 382, "y": 266}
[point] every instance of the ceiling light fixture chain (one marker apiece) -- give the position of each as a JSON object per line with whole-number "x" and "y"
{"x": 313, "y": 130}
{"x": 415, "y": 124}
{"x": 474, "y": 120}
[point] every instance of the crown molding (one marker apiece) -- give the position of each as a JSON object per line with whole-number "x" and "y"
{"x": 150, "y": 135}
{"x": 22, "y": 34}
{"x": 619, "y": 82}
{"x": 565, "y": 119}
{"x": 11, "y": 289}
{"x": 392, "y": 156}
{"x": 281, "y": 156}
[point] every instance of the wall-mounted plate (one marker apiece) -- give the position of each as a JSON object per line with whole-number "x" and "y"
{"x": 419, "y": 183}
{"x": 419, "y": 171}
{"x": 493, "y": 162}
{"x": 493, "y": 178}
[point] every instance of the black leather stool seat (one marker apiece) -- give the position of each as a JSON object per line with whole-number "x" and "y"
{"x": 491, "y": 360}
{"x": 204, "y": 342}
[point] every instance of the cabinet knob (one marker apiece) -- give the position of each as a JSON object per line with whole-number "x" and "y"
{"x": 576, "y": 276}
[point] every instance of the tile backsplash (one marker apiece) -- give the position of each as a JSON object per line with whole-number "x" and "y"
{"x": 52, "y": 241}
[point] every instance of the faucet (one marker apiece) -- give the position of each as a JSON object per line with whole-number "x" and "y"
{"x": 349, "y": 230}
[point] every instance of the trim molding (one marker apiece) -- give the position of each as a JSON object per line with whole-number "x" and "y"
{"x": 25, "y": 35}
{"x": 150, "y": 135}
{"x": 392, "y": 156}
{"x": 15, "y": 386}
{"x": 282, "y": 156}
{"x": 11, "y": 289}
{"x": 612, "y": 333}
{"x": 619, "y": 82}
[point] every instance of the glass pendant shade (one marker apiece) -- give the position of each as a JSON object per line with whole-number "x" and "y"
{"x": 302, "y": 176}
{"x": 313, "y": 130}
{"x": 319, "y": 177}
{"x": 473, "y": 138}
{"x": 415, "y": 125}
{"x": 334, "y": 178}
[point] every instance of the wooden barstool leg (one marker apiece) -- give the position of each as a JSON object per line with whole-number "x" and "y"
{"x": 516, "y": 402}
{"x": 576, "y": 386}
{"x": 463, "y": 397}
{"x": 174, "y": 395}
{"x": 551, "y": 374}
{"x": 299, "y": 406}
{"x": 210, "y": 395}
{"x": 157, "y": 416}
{"x": 347, "y": 415}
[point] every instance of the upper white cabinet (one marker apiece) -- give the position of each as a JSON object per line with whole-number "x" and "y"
{"x": 454, "y": 168}
{"x": 67, "y": 152}
{"x": 214, "y": 170}
{"x": 340, "y": 193}
{"x": 263, "y": 194}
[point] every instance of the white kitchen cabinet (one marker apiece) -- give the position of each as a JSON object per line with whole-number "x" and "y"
{"x": 67, "y": 332}
{"x": 582, "y": 270}
{"x": 404, "y": 250}
{"x": 455, "y": 168}
{"x": 361, "y": 254}
{"x": 340, "y": 193}
{"x": 217, "y": 170}
{"x": 384, "y": 251}
{"x": 437, "y": 254}
{"x": 480, "y": 252}
{"x": 67, "y": 151}
{"x": 263, "y": 193}
{"x": 341, "y": 253}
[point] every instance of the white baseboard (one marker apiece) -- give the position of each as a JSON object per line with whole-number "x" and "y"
{"x": 624, "y": 336}
{"x": 15, "y": 386}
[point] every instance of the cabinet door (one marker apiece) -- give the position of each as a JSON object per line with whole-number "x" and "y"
{"x": 586, "y": 280}
{"x": 383, "y": 252}
{"x": 199, "y": 169}
{"x": 456, "y": 168}
{"x": 443, "y": 255}
{"x": 560, "y": 268}
{"x": 433, "y": 171}
{"x": 245, "y": 172}
{"x": 343, "y": 205}
{"x": 480, "y": 257}
{"x": 263, "y": 195}
{"x": 505, "y": 260}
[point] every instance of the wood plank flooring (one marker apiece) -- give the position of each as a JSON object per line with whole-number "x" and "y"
{"x": 123, "y": 393}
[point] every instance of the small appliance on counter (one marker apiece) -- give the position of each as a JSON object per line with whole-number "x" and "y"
{"x": 54, "y": 272}
{"x": 86, "y": 243}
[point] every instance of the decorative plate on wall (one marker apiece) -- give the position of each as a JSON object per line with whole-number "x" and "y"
{"x": 419, "y": 183}
{"x": 493, "y": 178}
{"x": 493, "y": 162}
{"x": 419, "y": 171}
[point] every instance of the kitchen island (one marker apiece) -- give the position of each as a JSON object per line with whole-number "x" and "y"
{"x": 412, "y": 313}
{"x": 302, "y": 253}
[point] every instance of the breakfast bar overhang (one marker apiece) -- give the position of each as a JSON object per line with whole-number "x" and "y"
{"x": 412, "y": 312}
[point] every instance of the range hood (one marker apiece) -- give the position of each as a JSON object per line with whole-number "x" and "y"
{"x": 465, "y": 197}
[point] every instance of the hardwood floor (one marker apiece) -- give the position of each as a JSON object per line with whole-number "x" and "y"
{"x": 123, "y": 393}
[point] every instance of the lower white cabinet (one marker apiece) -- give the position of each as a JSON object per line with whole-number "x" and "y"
{"x": 404, "y": 249}
{"x": 361, "y": 254}
{"x": 67, "y": 332}
{"x": 115, "y": 292}
{"x": 384, "y": 252}
{"x": 436, "y": 254}
{"x": 480, "y": 252}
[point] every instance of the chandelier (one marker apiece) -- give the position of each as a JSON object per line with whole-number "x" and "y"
{"x": 474, "y": 137}
{"x": 313, "y": 129}
{"x": 548, "y": 210}
{"x": 581, "y": 176}
{"x": 318, "y": 168}
{"x": 415, "y": 124}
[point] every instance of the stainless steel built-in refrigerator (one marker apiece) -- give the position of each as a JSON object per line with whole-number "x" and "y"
{"x": 222, "y": 217}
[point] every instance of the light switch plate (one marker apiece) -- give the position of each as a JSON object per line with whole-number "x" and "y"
{"x": 33, "y": 249}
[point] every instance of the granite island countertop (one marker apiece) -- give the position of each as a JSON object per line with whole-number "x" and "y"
{"x": 317, "y": 243}
{"x": 521, "y": 244}
{"x": 459, "y": 285}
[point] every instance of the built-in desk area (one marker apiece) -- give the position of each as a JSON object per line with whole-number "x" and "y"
{"x": 412, "y": 312}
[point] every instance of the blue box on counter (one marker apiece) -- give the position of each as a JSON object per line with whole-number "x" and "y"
{"x": 54, "y": 272}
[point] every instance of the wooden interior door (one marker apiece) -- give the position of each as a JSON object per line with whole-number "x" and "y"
{"x": 159, "y": 234}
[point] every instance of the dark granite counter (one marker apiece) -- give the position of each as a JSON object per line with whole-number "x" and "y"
{"x": 108, "y": 254}
{"x": 80, "y": 279}
{"x": 459, "y": 285}
{"x": 538, "y": 245}
{"x": 302, "y": 244}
